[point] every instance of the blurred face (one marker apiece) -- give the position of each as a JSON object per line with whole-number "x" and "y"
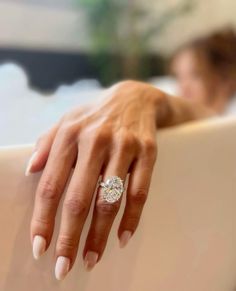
{"x": 193, "y": 76}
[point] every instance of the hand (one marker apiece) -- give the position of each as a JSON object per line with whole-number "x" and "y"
{"x": 113, "y": 137}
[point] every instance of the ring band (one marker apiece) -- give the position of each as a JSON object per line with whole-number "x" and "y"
{"x": 113, "y": 188}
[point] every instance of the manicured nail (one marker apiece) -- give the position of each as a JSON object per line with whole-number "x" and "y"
{"x": 39, "y": 246}
{"x": 62, "y": 267}
{"x": 90, "y": 260}
{"x": 125, "y": 237}
{"x": 30, "y": 163}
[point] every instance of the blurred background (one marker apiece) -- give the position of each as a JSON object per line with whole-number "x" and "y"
{"x": 58, "y": 54}
{"x": 62, "y": 41}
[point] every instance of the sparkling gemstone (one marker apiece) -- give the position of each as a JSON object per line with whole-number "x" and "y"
{"x": 112, "y": 189}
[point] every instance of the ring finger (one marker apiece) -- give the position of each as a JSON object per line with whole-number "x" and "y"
{"x": 104, "y": 212}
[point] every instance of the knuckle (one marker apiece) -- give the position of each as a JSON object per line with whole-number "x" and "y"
{"x": 49, "y": 190}
{"x": 98, "y": 240}
{"x": 68, "y": 132}
{"x": 102, "y": 137}
{"x": 105, "y": 208}
{"x": 64, "y": 130}
{"x": 128, "y": 143}
{"x": 76, "y": 207}
{"x": 66, "y": 243}
{"x": 139, "y": 197}
{"x": 150, "y": 146}
{"x": 39, "y": 221}
{"x": 96, "y": 141}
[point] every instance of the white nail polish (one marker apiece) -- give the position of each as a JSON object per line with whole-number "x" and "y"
{"x": 90, "y": 260}
{"x": 39, "y": 246}
{"x": 28, "y": 169}
{"x": 125, "y": 237}
{"x": 62, "y": 267}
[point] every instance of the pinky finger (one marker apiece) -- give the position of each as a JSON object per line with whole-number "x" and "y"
{"x": 41, "y": 151}
{"x": 137, "y": 193}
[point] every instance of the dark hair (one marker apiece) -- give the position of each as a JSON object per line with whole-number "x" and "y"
{"x": 219, "y": 51}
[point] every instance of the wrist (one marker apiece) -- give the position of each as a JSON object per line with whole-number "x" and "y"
{"x": 161, "y": 103}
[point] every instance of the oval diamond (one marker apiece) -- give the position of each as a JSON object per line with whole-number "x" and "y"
{"x": 112, "y": 189}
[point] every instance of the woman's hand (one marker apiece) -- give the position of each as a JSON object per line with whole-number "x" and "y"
{"x": 113, "y": 137}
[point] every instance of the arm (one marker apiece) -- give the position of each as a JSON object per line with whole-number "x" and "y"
{"x": 179, "y": 110}
{"x": 170, "y": 110}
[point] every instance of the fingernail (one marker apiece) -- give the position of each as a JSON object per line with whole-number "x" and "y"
{"x": 29, "y": 166}
{"x": 39, "y": 246}
{"x": 90, "y": 260}
{"x": 125, "y": 237}
{"x": 62, "y": 267}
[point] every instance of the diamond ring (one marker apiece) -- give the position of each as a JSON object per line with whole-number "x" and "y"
{"x": 112, "y": 189}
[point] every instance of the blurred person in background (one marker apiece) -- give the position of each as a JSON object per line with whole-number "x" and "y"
{"x": 114, "y": 137}
{"x": 205, "y": 70}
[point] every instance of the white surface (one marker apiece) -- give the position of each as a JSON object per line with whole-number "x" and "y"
{"x": 25, "y": 114}
{"x": 186, "y": 239}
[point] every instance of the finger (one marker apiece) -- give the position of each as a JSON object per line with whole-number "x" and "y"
{"x": 43, "y": 146}
{"x": 105, "y": 212}
{"x": 49, "y": 191}
{"x": 137, "y": 192}
{"x": 76, "y": 206}
{"x": 41, "y": 151}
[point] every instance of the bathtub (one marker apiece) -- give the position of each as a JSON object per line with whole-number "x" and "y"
{"x": 186, "y": 239}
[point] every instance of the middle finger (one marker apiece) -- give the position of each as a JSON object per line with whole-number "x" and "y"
{"x": 105, "y": 212}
